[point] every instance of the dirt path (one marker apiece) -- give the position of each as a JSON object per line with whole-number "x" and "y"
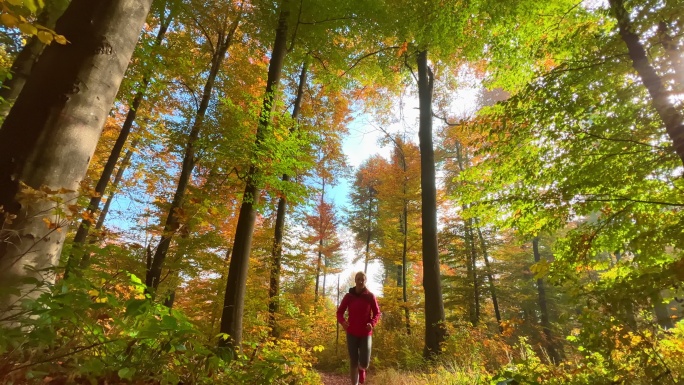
{"x": 334, "y": 379}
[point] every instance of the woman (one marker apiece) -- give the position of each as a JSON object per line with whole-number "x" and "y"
{"x": 363, "y": 314}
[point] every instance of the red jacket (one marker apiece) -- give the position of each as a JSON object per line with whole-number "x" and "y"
{"x": 361, "y": 309}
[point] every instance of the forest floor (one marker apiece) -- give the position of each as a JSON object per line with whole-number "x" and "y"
{"x": 335, "y": 379}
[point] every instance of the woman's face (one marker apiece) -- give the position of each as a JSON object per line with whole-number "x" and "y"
{"x": 360, "y": 281}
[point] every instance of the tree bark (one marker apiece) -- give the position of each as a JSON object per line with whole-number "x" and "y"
{"x": 673, "y": 120}
{"x": 368, "y": 233}
{"x": 472, "y": 262}
{"x": 23, "y": 63}
{"x": 51, "y": 132}
{"x": 233, "y": 307}
{"x": 490, "y": 278}
{"x": 404, "y": 251}
{"x": 435, "y": 331}
{"x": 225, "y": 39}
{"x": 546, "y": 324}
{"x": 320, "y": 247}
{"x": 661, "y": 312}
{"x": 277, "y": 251}
{"x": 94, "y": 205}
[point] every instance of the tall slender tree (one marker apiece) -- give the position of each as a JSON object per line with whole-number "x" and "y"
{"x": 543, "y": 308}
{"x": 233, "y": 307}
{"x": 277, "y": 252}
{"x": 224, "y": 39}
{"x": 435, "y": 330}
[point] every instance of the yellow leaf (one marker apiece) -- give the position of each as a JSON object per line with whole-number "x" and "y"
{"x": 28, "y": 29}
{"x": 45, "y": 37}
{"x": 8, "y": 20}
{"x": 60, "y": 39}
{"x": 15, "y": 2}
{"x": 93, "y": 293}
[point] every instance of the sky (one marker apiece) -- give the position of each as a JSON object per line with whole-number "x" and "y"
{"x": 363, "y": 142}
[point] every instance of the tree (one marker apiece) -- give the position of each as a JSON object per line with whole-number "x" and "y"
{"x": 363, "y": 214}
{"x": 224, "y": 39}
{"x": 546, "y": 324}
{"x": 67, "y": 96}
{"x": 93, "y": 207}
{"x": 231, "y": 320}
{"x": 435, "y": 331}
{"x": 323, "y": 221}
{"x": 276, "y": 254}
{"x": 670, "y": 116}
{"x": 27, "y": 56}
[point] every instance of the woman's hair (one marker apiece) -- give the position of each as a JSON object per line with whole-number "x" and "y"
{"x": 361, "y": 273}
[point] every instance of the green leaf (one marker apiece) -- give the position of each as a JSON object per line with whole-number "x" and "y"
{"x": 126, "y": 373}
{"x": 135, "y": 279}
{"x": 135, "y": 307}
{"x": 169, "y": 322}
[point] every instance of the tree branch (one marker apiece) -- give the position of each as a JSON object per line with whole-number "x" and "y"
{"x": 366, "y": 56}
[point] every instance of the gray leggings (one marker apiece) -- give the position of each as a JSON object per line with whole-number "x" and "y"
{"x": 359, "y": 354}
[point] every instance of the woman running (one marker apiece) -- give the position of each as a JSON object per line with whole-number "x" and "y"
{"x": 363, "y": 314}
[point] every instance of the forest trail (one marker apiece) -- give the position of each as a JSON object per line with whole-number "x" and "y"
{"x": 334, "y": 379}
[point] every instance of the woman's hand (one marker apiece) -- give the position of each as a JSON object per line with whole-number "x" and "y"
{"x": 369, "y": 327}
{"x": 345, "y": 325}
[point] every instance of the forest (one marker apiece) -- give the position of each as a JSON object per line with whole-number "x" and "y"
{"x": 187, "y": 188}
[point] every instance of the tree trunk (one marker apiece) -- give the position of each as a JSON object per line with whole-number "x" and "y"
{"x": 546, "y": 324}
{"x": 325, "y": 277}
{"x": 661, "y": 311}
{"x": 470, "y": 242}
{"x": 320, "y": 248}
{"x": 23, "y": 63}
{"x": 404, "y": 258}
{"x": 94, "y": 205}
{"x": 277, "y": 251}
{"x": 172, "y": 220}
{"x": 673, "y": 120}
{"x": 115, "y": 184}
{"x": 490, "y": 278}
{"x": 337, "y": 324}
{"x": 231, "y": 320}
{"x": 368, "y": 234}
{"x": 435, "y": 331}
{"x": 51, "y": 132}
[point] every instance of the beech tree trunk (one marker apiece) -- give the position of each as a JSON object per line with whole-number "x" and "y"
{"x": 368, "y": 233}
{"x": 546, "y": 324}
{"x": 225, "y": 38}
{"x": 472, "y": 262}
{"x": 435, "y": 331}
{"x": 490, "y": 278}
{"x": 673, "y": 119}
{"x": 51, "y": 133}
{"x": 23, "y": 63}
{"x": 277, "y": 251}
{"x": 404, "y": 252}
{"x": 661, "y": 312}
{"x": 94, "y": 205}
{"x": 233, "y": 307}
